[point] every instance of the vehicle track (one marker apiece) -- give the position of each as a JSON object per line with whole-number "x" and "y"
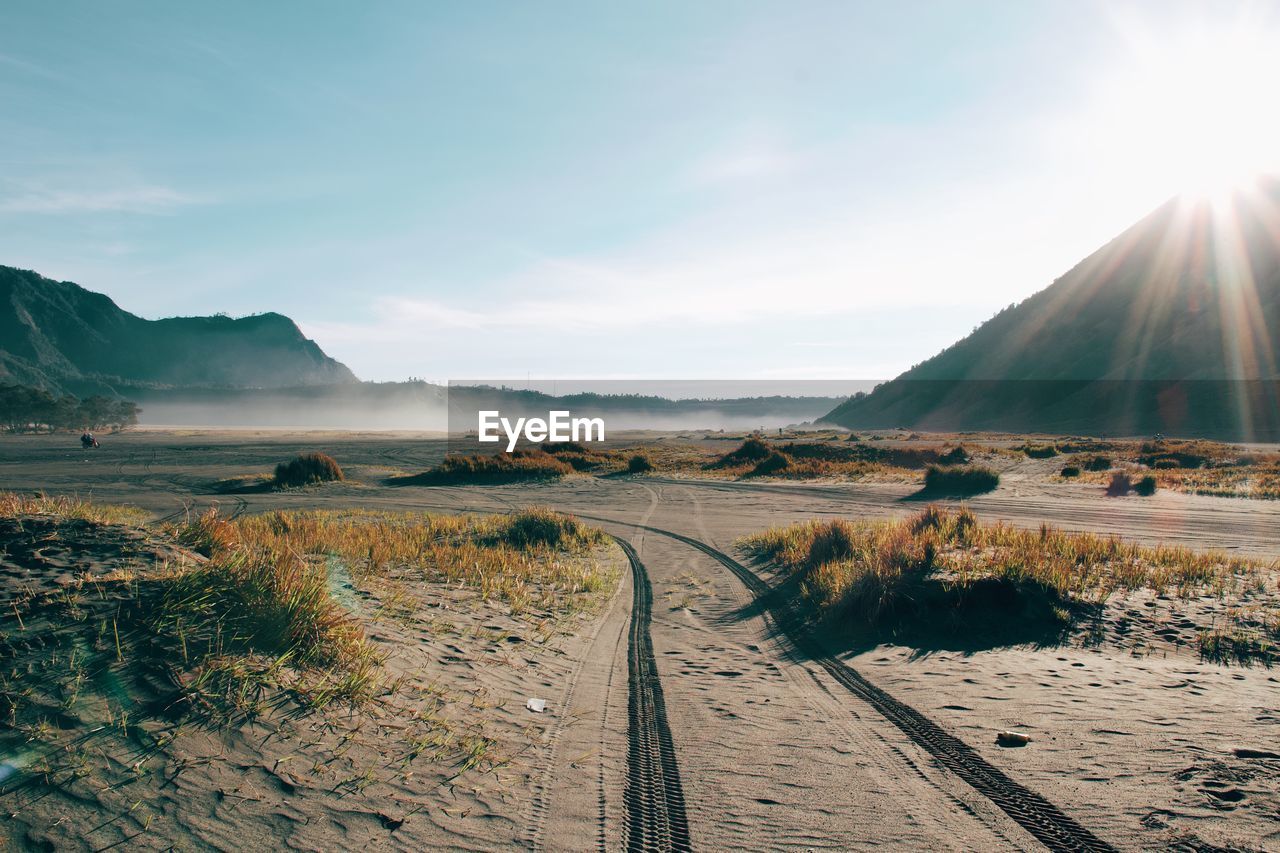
{"x": 654, "y": 816}
{"x": 1043, "y": 820}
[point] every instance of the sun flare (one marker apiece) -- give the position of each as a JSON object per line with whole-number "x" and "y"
{"x": 1194, "y": 111}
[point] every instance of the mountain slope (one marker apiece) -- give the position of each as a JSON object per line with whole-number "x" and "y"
{"x": 1163, "y": 329}
{"x": 61, "y": 336}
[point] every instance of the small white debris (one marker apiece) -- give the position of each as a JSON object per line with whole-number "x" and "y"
{"x": 537, "y": 706}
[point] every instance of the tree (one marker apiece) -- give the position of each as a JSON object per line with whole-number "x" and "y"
{"x": 24, "y": 409}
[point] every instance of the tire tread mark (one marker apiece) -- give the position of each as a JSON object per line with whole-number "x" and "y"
{"x": 1043, "y": 820}
{"x": 654, "y": 798}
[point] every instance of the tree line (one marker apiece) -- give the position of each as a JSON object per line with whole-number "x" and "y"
{"x": 24, "y": 409}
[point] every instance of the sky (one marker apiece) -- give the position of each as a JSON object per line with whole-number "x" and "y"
{"x": 713, "y": 189}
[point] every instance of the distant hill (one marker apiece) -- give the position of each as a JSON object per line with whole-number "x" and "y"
{"x": 424, "y": 406}
{"x": 61, "y": 337}
{"x": 1171, "y": 327}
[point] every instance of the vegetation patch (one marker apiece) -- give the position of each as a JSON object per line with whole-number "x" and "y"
{"x": 1097, "y": 463}
{"x": 751, "y": 452}
{"x": 66, "y": 507}
{"x": 942, "y": 573}
{"x": 808, "y": 460}
{"x": 1120, "y": 484}
{"x": 959, "y": 481}
{"x": 515, "y": 467}
{"x": 640, "y": 463}
{"x": 156, "y": 636}
{"x": 1192, "y": 466}
{"x": 1040, "y": 451}
{"x": 307, "y": 469}
{"x": 25, "y": 409}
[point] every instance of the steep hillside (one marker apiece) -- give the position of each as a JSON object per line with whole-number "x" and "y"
{"x": 1172, "y": 326}
{"x": 59, "y": 336}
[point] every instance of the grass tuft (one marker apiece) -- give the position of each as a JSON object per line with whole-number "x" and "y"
{"x": 69, "y": 508}
{"x": 1120, "y": 485}
{"x": 306, "y": 469}
{"x": 942, "y": 567}
{"x": 640, "y": 463}
{"x": 514, "y": 467}
{"x": 959, "y": 481}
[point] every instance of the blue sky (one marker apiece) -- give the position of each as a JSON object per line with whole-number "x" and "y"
{"x": 672, "y": 189}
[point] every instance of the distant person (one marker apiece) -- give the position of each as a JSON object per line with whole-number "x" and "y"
{"x": 87, "y": 441}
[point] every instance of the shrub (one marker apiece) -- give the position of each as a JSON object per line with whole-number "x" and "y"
{"x": 752, "y": 450}
{"x": 639, "y": 464}
{"x": 308, "y": 468}
{"x": 942, "y": 570}
{"x": 1184, "y": 454}
{"x": 955, "y": 456}
{"x": 1146, "y": 486}
{"x": 1120, "y": 484}
{"x": 1098, "y": 463}
{"x": 1071, "y": 471}
{"x": 511, "y": 467}
{"x": 956, "y": 480}
{"x": 258, "y": 600}
{"x": 564, "y": 447}
{"x": 1047, "y": 451}
{"x": 540, "y": 526}
{"x": 774, "y": 463}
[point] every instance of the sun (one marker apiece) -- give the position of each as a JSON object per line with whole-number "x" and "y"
{"x": 1192, "y": 108}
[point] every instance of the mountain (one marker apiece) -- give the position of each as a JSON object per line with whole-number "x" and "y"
{"x": 61, "y": 337}
{"x": 1171, "y": 327}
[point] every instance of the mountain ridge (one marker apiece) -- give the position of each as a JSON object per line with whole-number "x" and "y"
{"x": 1183, "y": 304}
{"x": 62, "y": 337}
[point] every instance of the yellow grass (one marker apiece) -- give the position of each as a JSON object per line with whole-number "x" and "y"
{"x": 840, "y": 562}
{"x": 68, "y": 507}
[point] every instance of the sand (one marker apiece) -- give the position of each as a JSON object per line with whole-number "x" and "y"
{"x": 1133, "y": 737}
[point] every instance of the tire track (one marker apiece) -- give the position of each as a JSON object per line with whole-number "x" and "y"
{"x": 1043, "y": 820}
{"x": 654, "y": 798}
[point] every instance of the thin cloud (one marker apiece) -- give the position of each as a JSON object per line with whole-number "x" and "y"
{"x": 28, "y": 67}
{"x": 141, "y": 199}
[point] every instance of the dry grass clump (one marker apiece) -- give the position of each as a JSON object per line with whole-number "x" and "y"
{"x": 772, "y": 465}
{"x": 1260, "y": 481}
{"x": 640, "y": 463}
{"x": 1240, "y": 645}
{"x": 1120, "y": 484}
{"x": 796, "y": 461}
{"x": 306, "y": 469}
{"x": 100, "y": 674}
{"x": 944, "y": 564}
{"x": 1097, "y": 463}
{"x": 536, "y": 527}
{"x": 269, "y": 588}
{"x": 750, "y": 452}
{"x": 514, "y": 467}
{"x": 1193, "y": 466}
{"x": 1040, "y": 451}
{"x": 579, "y": 456}
{"x": 533, "y": 557}
{"x": 959, "y": 480}
{"x": 256, "y": 596}
{"x": 68, "y": 507}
